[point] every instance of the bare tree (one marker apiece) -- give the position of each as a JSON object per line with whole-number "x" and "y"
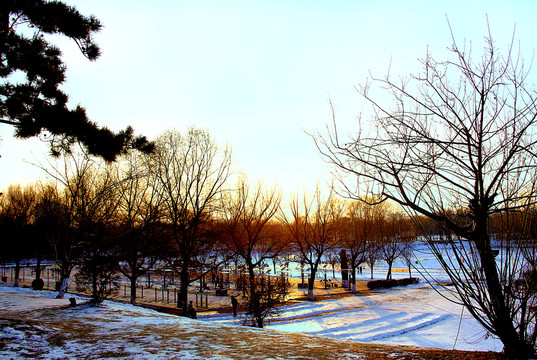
{"x": 457, "y": 138}
{"x": 392, "y": 241}
{"x": 247, "y": 213}
{"x": 136, "y": 219}
{"x": 373, "y": 254}
{"x": 190, "y": 172}
{"x": 78, "y": 201}
{"x": 407, "y": 233}
{"x": 362, "y": 225}
{"x": 17, "y": 219}
{"x": 312, "y": 224}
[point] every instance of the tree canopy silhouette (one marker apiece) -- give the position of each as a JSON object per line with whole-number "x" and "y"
{"x": 32, "y": 70}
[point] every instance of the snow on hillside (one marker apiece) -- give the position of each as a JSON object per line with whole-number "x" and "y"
{"x": 35, "y": 325}
{"x": 415, "y": 316}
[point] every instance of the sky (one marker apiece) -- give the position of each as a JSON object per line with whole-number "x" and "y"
{"x": 258, "y": 75}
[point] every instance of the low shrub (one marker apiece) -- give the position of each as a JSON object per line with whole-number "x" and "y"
{"x": 38, "y": 284}
{"x": 384, "y": 284}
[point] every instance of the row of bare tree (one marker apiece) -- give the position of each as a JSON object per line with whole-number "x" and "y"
{"x": 179, "y": 206}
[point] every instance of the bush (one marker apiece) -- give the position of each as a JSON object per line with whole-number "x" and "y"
{"x": 408, "y": 281}
{"x": 384, "y": 284}
{"x": 38, "y": 284}
{"x": 98, "y": 275}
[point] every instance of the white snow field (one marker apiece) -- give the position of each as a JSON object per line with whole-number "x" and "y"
{"x": 415, "y": 315}
{"x": 35, "y": 325}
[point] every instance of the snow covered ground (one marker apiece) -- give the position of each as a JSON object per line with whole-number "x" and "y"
{"x": 414, "y": 315}
{"x": 35, "y": 325}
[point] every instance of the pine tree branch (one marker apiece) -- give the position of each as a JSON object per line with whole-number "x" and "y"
{"x": 9, "y": 122}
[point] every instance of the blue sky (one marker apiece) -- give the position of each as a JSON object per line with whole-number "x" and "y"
{"x": 257, "y": 74}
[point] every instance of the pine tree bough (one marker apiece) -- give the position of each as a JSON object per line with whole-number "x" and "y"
{"x": 36, "y": 106}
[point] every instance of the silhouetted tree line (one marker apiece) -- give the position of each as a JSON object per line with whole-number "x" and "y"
{"x": 178, "y": 208}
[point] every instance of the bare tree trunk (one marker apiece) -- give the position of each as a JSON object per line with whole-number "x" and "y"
{"x": 65, "y": 272}
{"x": 255, "y": 301}
{"x": 353, "y": 275}
{"x": 38, "y": 283}
{"x": 38, "y": 269}
{"x": 182, "y": 299}
{"x": 389, "y": 274}
{"x": 63, "y": 287}
{"x": 94, "y": 287}
{"x": 514, "y": 345}
{"x": 311, "y": 282}
{"x": 17, "y": 272}
{"x": 133, "y": 279}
